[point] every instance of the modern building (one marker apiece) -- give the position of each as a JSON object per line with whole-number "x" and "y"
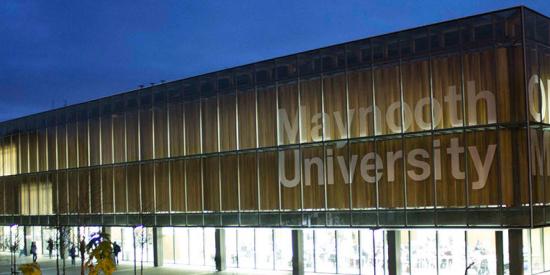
{"x": 416, "y": 152}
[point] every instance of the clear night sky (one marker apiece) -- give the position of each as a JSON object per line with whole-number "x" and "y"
{"x": 74, "y": 51}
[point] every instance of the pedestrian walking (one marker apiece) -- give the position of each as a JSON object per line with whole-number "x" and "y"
{"x": 72, "y": 254}
{"x": 33, "y": 252}
{"x": 50, "y": 247}
{"x": 116, "y": 250}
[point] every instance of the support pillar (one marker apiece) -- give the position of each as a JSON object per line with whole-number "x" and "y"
{"x": 158, "y": 257}
{"x": 394, "y": 252}
{"x": 220, "y": 249}
{"x": 297, "y": 252}
{"x": 27, "y": 236}
{"x": 515, "y": 251}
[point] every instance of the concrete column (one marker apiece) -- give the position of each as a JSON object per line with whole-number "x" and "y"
{"x": 394, "y": 252}
{"x": 27, "y": 239}
{"x": 158, "y": 257}
{"x": 297, "y": 252}
{"x": 220, "y": 249}
{"x": 515, "y": 251}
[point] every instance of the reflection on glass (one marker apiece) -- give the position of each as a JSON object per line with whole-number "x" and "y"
{"x": 423, "y": 252}
{"x": 283, "y": 249}
{"x": 325, "y": 250}
{"x": 246, "y": 247}
{"x": 481, "y": 251}
{"x": 231, "y": 254}
{"x": 348, "y": 251}
{"x": 451, "y": 249}
{"x": 264, "y": 248}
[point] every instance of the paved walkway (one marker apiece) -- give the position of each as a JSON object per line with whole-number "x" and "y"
{"x": 49, "y": 268}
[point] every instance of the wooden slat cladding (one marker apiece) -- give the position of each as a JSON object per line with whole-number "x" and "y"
{"x": 360, "y": 100}
{"x": 177, "y": 185}
{"x": 248, "y": 179}
{"x": 229, "y": 182}
{"x": 446, "y": 82}
{"x": 416, "y": 96}
{"x": 387, "y": 95}
{"x": 311, "y": 126}
{"x": 336, "y": 120}
{"x": 247, "y": 118}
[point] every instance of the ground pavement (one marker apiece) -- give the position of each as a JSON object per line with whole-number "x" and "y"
{"x": 49, "y": 268}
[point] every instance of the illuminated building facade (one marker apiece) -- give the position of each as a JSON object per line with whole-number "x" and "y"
{"x": 415, "y": 152}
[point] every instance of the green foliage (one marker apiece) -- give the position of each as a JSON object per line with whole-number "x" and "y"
{"x": 100, "y": 251}
{"x": 30, "y": 269}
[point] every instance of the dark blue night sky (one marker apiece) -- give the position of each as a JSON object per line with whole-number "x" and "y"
{"x": 74, "y": 51}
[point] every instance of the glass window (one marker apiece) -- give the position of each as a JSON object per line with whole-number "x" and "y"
{"x": 181, "y": 241}
{"x": 231, "y": 253}
{"x": 107, "y": 189}
{"x": 288, "y": 113}
{"x": 283, "y": 249}
{"x": 146, "y": 126}
{"x": 364, "y": 180}
{"x": 537, "y": 264}
{"x": 209, "y": 246}
{"x": 338, "y": 177}
{"x": 325, "y": 250}
{"x": 229, "y": 182}
{"x": 177, "y": 140}
{"x": 348, "y": 251}
{"x": 267, "y": 106}
{"x": 335, "y": 103}
{"x": 117, "y": 133}
{"x": 211, "y": 183}
{"x": 246, "y": 249}
{"x": 423, "y": 252}
{"x": 177, "y": 184}
{"x": 24, "y": 152}
{"x": 447, "y": 92}
{"x": 162, "y": 186}
{"x": 289, "y": 177}
{"x": 209, "y": 118}
{"x": 95, "y": 190}
{"x": 192, "y": 127}
{"x": 33, "y": 151}
{"x": 193, "y": 184}
{"x": 246, "y": 101}
{"x": 311, "y": 126}
{"x": 168, "y": 245}
{"x": 42, "y": 149}
{"x": 479, "y": 83}
{"x": 84, "y": 191}
{"x": 132, "y": 134}
{"x": 61, "y": 148}
{"x": 546, "y": 247}
{"x": 417, "y": 102}
{"x": 269, "y": 183}
{"x": 420, "y": 185}
{"x": 228, "y": 126}
{"x": 309, "y": 247}
{"x": 451, "y": 189}
{"x": 133, "y": 190}
{"x": 264, "y": 248}
{"x": 107, "y": 134}
{"x": 391, "y": 183}
{"x": 82, "y": 134}
{"x": 481, "y": 251}
{"x": 248, "y": 180}
{"x": 483, "y": 182}
{"x": 94, "y": 133}
{"x": 147, "y": 179}
{"x": 119, "y": 176}
{"x": 313, "y": 171}
{"x": 388, "y": 99}
{"x": 160, "y": 115}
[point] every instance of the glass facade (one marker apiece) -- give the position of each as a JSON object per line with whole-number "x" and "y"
{"x": 434, "y": 127}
